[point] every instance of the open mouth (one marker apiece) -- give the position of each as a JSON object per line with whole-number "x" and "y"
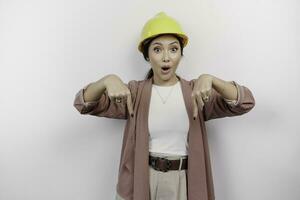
{"x": 165, "y": 70}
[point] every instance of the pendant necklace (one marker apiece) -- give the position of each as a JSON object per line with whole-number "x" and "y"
{"x": 164, "y": 101}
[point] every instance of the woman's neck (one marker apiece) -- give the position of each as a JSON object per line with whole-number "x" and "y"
{"x": 169, "y": 82}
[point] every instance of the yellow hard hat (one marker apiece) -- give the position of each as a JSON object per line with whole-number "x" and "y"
{"x": 161, "y": 24}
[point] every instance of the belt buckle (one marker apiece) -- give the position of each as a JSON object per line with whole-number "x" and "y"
{"x": 168, "y": 164}
{"x": 153, "y": 163}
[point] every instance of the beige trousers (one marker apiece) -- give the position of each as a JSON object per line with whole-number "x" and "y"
{"x": 170, "y": 185}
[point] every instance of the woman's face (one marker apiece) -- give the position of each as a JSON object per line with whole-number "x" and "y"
{"x": 164, "y": 52}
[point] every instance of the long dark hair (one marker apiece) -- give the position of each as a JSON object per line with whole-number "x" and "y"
{"x": 145, "y": 48}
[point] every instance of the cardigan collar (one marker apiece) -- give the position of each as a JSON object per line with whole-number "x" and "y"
{"x": 196, "y": 171}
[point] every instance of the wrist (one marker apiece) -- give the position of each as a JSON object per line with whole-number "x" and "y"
{"x": 107, "y": 79}
{"x": 207, "y": 77}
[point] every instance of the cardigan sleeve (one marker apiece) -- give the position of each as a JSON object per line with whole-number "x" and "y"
{"x": 104, "y": 107}
{"x": 218, "y": 106}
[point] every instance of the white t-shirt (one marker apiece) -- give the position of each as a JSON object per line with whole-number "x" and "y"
{"x": 169, "y": 122}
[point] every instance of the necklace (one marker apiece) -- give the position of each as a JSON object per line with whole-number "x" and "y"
{"x": 164, "y": 101}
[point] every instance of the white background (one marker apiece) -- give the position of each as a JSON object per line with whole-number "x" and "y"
{"x": 51, "y": 49}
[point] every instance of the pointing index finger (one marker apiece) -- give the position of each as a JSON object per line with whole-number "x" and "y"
{"x": 129, "y": 104}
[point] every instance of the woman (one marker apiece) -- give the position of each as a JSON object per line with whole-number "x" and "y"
{"x": 165, "y": 151}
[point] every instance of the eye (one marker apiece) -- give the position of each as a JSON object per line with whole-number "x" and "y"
{"x": 174, "y": 49}
{"x": 155, "y": 49}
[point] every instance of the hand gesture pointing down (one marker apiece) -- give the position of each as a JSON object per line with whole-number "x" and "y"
{"x": 201, "y": 92}
{"x": 118, "y": 92}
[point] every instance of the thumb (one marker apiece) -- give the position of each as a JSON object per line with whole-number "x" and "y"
{"x": 195, "y": 108}
{"x": 200, "y": 103}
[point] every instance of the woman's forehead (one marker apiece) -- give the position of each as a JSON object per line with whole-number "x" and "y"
{"x": 165, "y": 39}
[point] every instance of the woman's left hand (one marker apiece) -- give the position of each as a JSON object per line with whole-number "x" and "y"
{"x": 201, "y": 92}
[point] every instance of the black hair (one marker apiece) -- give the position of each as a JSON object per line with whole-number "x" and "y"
{"x": 145, "y": 49}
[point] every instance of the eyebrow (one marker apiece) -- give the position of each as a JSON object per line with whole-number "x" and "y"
{"x": 161, "y": 43}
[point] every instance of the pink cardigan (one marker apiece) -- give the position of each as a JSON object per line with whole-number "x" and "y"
{"x": 133, "y": 177}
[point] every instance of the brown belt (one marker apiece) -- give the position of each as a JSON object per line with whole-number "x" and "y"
{"x": 164, "y": 165}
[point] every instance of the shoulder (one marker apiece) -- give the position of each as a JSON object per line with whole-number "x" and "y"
{"x": 138, "y": 83}
{"x": 190, "y": 82}
{"x": 134, "y": 84}
{"x": 135, "y": 87}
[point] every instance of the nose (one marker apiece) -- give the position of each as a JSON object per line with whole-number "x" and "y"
{"x": 166, "y": 57}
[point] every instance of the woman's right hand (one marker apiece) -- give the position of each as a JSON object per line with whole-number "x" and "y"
{"x": 116, "y": 89}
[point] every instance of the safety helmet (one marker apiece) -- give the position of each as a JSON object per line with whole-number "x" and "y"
{"x": 161, "y": 24}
